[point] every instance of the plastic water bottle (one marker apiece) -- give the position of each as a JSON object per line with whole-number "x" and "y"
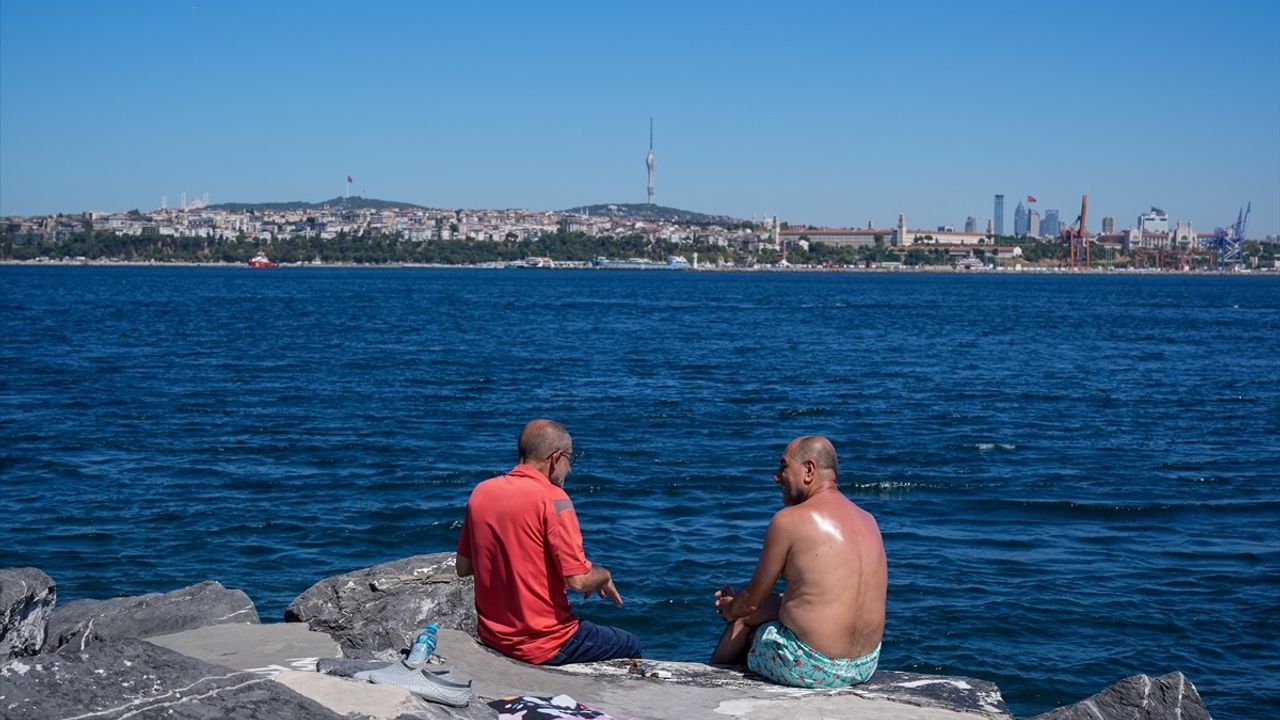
{"x": 423, "y": 646}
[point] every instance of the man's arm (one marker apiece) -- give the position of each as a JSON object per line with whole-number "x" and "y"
{"x": 773, "y": 559}
{"x": 597, "y": 579}
{"x": 464, "y": 566}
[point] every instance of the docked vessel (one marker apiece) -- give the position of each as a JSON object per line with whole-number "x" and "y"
{"x": 536, "y": 263}
{"x": 261, "y": 261}
{"x": 674, "y": 262}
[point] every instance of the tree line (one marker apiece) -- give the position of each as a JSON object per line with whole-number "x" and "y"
{"x": 380, "y": 249}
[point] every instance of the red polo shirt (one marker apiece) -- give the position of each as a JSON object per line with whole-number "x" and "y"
{"x": 522, "y": 536}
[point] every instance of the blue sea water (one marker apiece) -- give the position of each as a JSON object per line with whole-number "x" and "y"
{"x": 1077, "y": 477}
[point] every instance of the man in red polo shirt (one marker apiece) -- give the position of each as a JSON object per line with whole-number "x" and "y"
{"x": 522, "y": 542}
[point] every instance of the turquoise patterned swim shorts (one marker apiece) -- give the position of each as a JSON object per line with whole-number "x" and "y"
{"x": 779, "y": 655}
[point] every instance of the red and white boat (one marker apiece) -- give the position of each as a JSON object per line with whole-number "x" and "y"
{"x": 261, "y": 261}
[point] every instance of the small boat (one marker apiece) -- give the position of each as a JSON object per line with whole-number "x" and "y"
{"x": 261, "y": 261}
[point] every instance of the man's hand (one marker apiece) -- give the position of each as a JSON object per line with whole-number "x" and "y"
{"x": 724, "y": 598}
{"x": 598, "y": 580}
{"x": 608, "y": 592}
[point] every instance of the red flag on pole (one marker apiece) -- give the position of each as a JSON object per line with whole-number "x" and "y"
{"x": 349, "y": 180}
{"x": 1030, "y": 198}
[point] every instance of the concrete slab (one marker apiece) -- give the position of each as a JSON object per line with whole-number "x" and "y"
{"x": 625, "y": 694}
{"x": 264, "y": 649}
{"x": 288, "y": 652}
{"x": 345, "y": 696}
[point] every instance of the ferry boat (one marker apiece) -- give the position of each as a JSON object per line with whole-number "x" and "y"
{"x": 261, "y": 261}
{"x": 536, "y": 263}
{"x": 674, "y": 262}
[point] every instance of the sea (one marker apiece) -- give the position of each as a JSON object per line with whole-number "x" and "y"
{"x": 1077, "y": 475}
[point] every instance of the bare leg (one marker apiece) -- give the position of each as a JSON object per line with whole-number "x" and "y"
{"x": 736, "y": 640}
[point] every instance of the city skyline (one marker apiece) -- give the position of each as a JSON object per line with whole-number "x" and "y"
{"x": 827, "y": 116}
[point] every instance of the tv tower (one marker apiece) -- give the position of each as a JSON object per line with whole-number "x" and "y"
{"x": 649, "y": 161}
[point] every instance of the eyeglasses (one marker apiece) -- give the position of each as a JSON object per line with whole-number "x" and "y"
{"x": 570, "y": 455}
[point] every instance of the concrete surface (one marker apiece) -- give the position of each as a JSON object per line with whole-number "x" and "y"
{"x": 263, "y": 649}
{"x": 289, "y": 651}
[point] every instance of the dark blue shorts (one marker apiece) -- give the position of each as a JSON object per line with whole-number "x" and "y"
{"x": 595, "y": 642}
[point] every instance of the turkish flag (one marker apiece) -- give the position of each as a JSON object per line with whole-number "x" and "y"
{"x": 1030, "y": 198}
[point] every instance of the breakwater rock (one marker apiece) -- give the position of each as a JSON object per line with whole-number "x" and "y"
{"x": 27, "y": 597}
{"x": 80, "y": 623}
{"x": 117, "y": 679}
{"x": 375, "y": 611}
{"x": 225, "y": 664}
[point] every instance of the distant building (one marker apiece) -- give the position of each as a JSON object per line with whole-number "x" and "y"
{"x": 999, "y": 215}
{"x": 1033, "y": 223}
{"x": 1051, "y": 225}
{"x": 1020, "y": 220}
{"x": 1108, "y": 225}
{"x": 970, "y": 224}
{"x": 836, "y": 236}
{"x": 1184, "y": 236}
{"x": 1156, "y": 221}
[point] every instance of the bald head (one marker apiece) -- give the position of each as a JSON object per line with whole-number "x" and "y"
{"x": 542, "y": 437}
{"x": 817, "y": 449}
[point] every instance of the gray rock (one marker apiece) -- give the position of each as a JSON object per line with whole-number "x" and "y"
{"x": 374, "y": 612}
{"x": 133, "y": 678}
{"x": 77, "y": 624}
{"x": 27, "y": 597}
{"x": 1138, "y": 698}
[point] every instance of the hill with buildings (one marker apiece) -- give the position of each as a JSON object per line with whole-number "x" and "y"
{"x": 355, "y": 202}
{"x": 651, "y": 213}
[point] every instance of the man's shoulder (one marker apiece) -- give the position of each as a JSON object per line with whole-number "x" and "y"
{"x": 788, "y": 516}
{"x": 516, "y": 484}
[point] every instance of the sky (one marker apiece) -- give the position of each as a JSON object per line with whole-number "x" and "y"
{"x": 838, "y": 113}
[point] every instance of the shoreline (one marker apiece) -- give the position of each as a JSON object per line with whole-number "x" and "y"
{"x": 925, "y": 269}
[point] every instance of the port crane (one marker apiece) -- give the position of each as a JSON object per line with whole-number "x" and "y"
{"x": 1228, "y": 243}
{"x": 1075, "y": 238}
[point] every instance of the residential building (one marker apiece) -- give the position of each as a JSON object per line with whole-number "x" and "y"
{"x": 1156, "y": 221}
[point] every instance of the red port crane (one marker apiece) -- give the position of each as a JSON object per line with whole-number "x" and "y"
{"x": 1075, "y": 239}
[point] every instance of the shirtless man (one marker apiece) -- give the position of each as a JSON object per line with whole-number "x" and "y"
{"x": 825, "y": 630}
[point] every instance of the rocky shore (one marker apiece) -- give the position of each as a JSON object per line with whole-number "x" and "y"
{"x": 202, "y": 652}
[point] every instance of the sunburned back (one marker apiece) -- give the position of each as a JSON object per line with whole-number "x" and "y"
{"x": 836, "y": 574}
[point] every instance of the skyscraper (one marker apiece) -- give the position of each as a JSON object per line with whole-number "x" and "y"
{"x": 1108, "y": 225}
{"x": 649, "y": 161}
{"x": 999, "y": 214}
{"x": 1033, "y": 223}
{"x": 971, "y": 224}
{"x": 1020, "y": 220}
{"x": 1051, "y": 225}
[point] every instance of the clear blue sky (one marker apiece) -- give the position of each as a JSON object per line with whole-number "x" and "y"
{"x": 824, "y": 113}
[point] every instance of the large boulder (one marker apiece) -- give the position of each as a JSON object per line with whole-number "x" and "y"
{"x": 375, "y": 612}
{"x": 116, "y": 679}
{"x": 27, "y": 597}
{"x": 77, "y": 624}
{"x": 1138, "y": 698}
